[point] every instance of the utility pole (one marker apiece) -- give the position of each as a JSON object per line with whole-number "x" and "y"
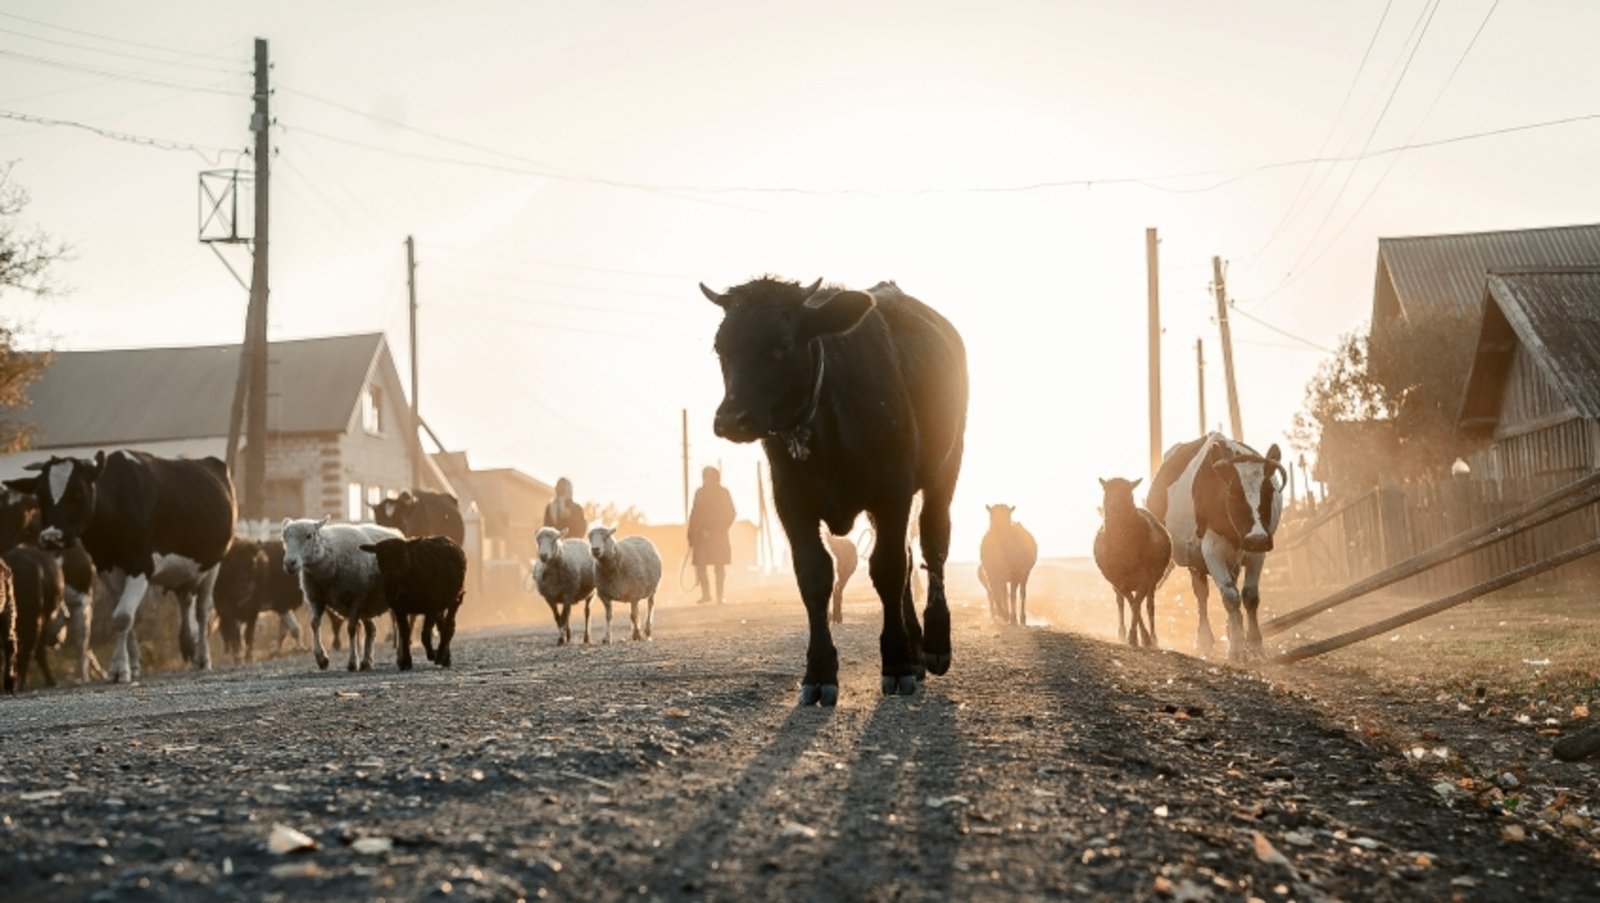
{"x": 1200, "y": 379}
{"x": 1153, "y": 279}
{"x": 255, "y": 458}
{"x": 1227, "y": 347}
{"x": 415, "y": 432}
{"x": 686, "y": 466}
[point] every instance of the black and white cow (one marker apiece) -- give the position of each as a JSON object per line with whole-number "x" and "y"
{"x": 859, "y": 400}
{"x": 145, "y": 521}
{"x": 1221, "y": 501}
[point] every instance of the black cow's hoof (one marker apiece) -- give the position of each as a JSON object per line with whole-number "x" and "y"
{"x": 432, "y": 656}
{"x": 350, "y": 667}
{"x": 810, "y": 694}
{"x": 830, "y": 695}
{"x": 366, "y": 666}
{"x": 405, "y": 664}
{"x": 936, "y": 662}
{"x": 902, "y": 685}
{"x": 922, "y": 673}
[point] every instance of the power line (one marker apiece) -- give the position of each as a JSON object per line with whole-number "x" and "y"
{"x": 142, "y": 140}
{"x": 1145, "y": 181}
{"x": 513, "y": 277}
{"x": 119, "y": 75}
{"x": 1333, "y": 126}
{"x": 1234, "y": 306}
{"x": 1293, "y": 276}
{"x": 565, "y": 305}
{"x": 132, "y": 56}
{"x": 653, "y": 274}
{"x": 115, "y": 40}
{"x": 1426, "y": 20}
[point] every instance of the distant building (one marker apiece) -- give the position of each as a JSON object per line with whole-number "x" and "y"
{"x": 336, "y": 416}
{"x": 510, "y": 505}
{"x": 1532, "y": 399}
{"x": 1422, "y": 276}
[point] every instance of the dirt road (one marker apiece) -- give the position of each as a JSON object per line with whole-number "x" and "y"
{"x": 1046, "y": 765}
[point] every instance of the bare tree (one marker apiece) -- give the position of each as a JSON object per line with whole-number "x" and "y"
{"x": 27, "y": 258}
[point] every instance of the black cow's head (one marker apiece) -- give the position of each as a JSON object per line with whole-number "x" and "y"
{"x": 65, "y": 489}
{"x": 770, "y": 371}
{"x": 1249, "y": 493}
{"x": 394, "y": 512}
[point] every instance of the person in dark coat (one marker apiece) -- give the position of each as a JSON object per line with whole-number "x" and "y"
{"x": 565, "y": 514}
{"x": 709, "y": 520}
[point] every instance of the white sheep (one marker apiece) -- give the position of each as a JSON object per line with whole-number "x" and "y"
{"x": 336, "y": 575}
{"x": 626, "y": 570}
{"x": 564, "y": 575}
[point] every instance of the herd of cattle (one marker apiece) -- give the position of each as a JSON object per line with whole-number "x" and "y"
{"x": 859, "y": 400}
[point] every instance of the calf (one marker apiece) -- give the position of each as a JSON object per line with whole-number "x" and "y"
{"x": 145, "y": 521}
{"x": 1134, "y": 555}
{"x": 1221, "y": 502}
{"x": 859, "y": 400}
{"x": 1008, "y": 553}
{"x": 38, "y": 591}
{"x": 252, "y": 580}
{"x": 336, "y": 575}
{"x": 19, "y": 528}
{"x": 422, "y": 577}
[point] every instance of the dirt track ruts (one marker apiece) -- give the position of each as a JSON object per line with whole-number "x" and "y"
{"x": 1045, "y": 765}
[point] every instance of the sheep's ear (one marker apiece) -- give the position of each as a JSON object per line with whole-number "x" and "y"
{"x": 989, "y": 508}
{"x": 285, "y": 523}
{"x": 1102, "y": 482}
{"x": 1012, "y": 509}
{"x": 611, "y": 531}
{"x": 324, "y": 521}
{"x": 1136, "y": 483}
{"x": 564, "y": 532}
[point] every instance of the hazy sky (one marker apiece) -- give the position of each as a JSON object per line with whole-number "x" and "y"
{"x": 571, "y": 170}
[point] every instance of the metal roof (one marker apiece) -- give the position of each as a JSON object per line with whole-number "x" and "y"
{"x": 132, "y": 395}
{"x": 1554, "y": 315}
{"x": 1421, "y": 274}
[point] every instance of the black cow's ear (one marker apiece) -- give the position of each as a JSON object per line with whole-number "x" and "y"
{"x": 713, "y": 297}
{"x": 99, "y": 462}
{"x": 1273, "y": 454}
{"x": 838, "y": 314}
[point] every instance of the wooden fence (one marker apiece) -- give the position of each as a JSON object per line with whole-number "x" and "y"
{"x": 1339, "y": 544}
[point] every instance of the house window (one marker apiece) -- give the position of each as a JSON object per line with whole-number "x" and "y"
{"x": 372, "y": 410}
{"x": 374, "y": 496}
{"x": 354, "y": 504}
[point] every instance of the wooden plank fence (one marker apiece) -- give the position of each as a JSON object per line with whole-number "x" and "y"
{"x": 1342, "y": 544}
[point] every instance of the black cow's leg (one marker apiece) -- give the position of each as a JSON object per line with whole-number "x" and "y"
{"x": 1203, "y": 640}
{"x": 402, "y": 629}
{"x": 429, "y": 624}
{"x": 889, "y": 569}
{"x": 934, "y": 530}
{"x": 813, "y": 573}
{"x": 447, "y": 631}
{"x": 247, "y": 651}
{"x": 27, "y": 636}
{"x": 186, "y": 626}
{"x": 908, "y": 617}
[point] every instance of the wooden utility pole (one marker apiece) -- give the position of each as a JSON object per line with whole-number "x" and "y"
{"x": 415, "y": 432}
{"x": 255, "y": 458}
{"x": 1200, "y": 379}
{"x": 1227, "y": 347}
{"x": 1153, "y": 279}
{"x": 685, "y": 466}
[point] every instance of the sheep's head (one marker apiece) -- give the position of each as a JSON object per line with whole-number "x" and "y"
{"x": 1000, "y": 515}
{"x": 302, "y": 542}
{"x": 549, "y": 539}
{"x": 603, "y": 542}
{"x": 1118, "y": 494}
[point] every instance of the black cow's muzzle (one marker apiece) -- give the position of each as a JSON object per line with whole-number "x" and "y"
{"x": 735, "y": 426}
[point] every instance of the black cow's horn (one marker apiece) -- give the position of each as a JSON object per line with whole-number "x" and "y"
{"x": 812, "y": 290}
{"x": 713, "y": 297}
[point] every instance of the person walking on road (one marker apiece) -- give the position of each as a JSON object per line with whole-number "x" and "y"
{"x": 709, "y": 520}
{"x": 565, "y": 514}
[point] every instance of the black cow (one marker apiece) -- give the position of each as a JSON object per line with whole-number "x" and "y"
{"x": 859, "y": 400}
{"x": 419, "y": 513}
{"x": 1221, "y": 502}
{"x": 421, "y": 577}
{"x": 250, "y": 581}
{"x": 145, "y": 521}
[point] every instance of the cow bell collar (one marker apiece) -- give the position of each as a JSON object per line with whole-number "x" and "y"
{"x": 797, "y": 438}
